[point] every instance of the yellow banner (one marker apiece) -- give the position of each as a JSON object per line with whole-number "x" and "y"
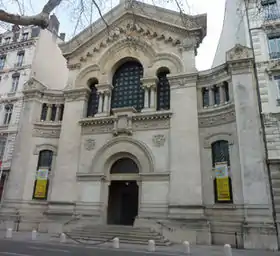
{"x": 223, "y": 189}
{"x": 41, "y": 189}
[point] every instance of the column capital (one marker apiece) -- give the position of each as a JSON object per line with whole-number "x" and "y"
{"x": 104, "y": 87}
{"x": 149, "y": 82}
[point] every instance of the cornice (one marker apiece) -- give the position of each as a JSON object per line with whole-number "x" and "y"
{"x": 17, "y": 45}
{"x": 159, "y": 115}
{"x": 76, "y": 94}
{"x": 182, "y": 80}
{"x": 97, "y": 121}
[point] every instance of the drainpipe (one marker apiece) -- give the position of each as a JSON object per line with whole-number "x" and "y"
{"x": 262, "y": 122}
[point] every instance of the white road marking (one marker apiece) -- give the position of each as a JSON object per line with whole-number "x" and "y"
{"x": 15, "y": 254}
{"x": 48, "y": 249}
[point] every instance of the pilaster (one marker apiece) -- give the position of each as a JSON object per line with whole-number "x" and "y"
{"x": 64, "y": 186}
{"x": 185, "y": 195}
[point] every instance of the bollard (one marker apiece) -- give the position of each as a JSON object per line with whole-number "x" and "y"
{"x": 9, "y": 233}
{"x": 187, "y": 248}
{"x": 62, "y": 238}
{"x": 34, "y": 235}
{"x": 116, "y": 243}
{"x": 151, "y": 246}
{"x": 227, "y": 249}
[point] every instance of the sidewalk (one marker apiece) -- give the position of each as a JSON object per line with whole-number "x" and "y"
{"x": 178, "y": 249}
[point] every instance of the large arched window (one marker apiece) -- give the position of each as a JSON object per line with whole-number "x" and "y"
{"x": 220, "y": 152}
{"x": 92, "y": 108}
{"x": 41, "y": 184}
{"x": 163, "y": 89}
{"x": 222, "y": 180}
{"x": 127, "y": 91}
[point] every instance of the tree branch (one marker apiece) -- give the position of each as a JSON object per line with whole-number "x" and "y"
{"x": 41, "y": 19}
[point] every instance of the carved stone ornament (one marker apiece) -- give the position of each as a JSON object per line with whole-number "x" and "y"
{"x": 89, "y": 144}
{"x": 239, "y": 52}
{"x": 159, "y": 140}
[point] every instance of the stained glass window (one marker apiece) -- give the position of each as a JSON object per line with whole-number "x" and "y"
{"x": 124, "y": 165}
{"x": 93, "y": 100}
{"x": 163, "y": 91}
{"x": 127, "y": 91}
{"x": 220, "y": 152}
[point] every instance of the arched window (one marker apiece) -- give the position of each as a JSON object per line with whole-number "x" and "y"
{"x": 92, "y": 108}
{"x": 226, "y": 91}
{"x": 220, "y": 152}
{"x": 222, "y": 180}
{"x": 44, "y": 112}
{"x": 163, "y": 89}
{"x": 8, "y": 113}
{"x": 127, "y": 91}
{"x": 42, "y": 175}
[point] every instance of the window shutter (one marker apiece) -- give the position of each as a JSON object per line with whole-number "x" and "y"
{"x": 35, "y": 32}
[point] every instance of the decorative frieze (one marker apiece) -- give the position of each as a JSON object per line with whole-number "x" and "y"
{"x": 217, "y": 116}
{"x": 89, "y": 144}
{"x": 97, "y": 129}
{"x": 159, "y": 140}
{"x": 46, "y": 133}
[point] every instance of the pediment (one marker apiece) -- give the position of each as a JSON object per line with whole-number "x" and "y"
{"x": 34, "y": 85}
{"x": 139, "y": 20}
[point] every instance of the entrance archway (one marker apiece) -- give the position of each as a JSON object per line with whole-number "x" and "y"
{"x": 123, "y": 194}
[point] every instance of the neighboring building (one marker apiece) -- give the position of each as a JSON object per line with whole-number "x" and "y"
{"x": 25, "y": 52}
{"x": 140, "y": 137}
{"x": 264, "y": 38}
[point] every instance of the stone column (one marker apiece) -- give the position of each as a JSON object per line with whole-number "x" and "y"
{"x": 211, "y": 96}
{"x": 222, "y": 93}
{"x": 49, "y": 112}
{"x": 188, "y": 49}
{"x": 149, "y": 85}
{"x": 153, "y": 98}
{"x": 146, "y": 97}
{"x": 104, "y": 104}
{"x": 106, "y": 101}
{"x": 58, "y": 111}
{"x": 100, "y": 102}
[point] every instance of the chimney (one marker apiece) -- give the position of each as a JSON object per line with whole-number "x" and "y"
{"x": 62, "y": 36}
{"x": 54, "y": 24}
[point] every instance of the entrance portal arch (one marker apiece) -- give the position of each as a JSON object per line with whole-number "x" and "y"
{"x": 123, "y": 197}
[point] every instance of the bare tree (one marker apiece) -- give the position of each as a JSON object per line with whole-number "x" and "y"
{"x": 41, "y": 19}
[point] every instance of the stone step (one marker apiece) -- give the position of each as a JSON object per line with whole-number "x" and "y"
{"x": 117, "y": 234}
{"x": 276, "y": 191}
{"x": 275, "y": 175}
{"x": 114, "y": 227}
{"x": 125, "y": 241}
{"x": 275, "y": 183}
{"x": 98, "y": 230}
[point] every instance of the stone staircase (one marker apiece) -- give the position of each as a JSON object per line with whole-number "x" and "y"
{"x": 275, "y": 178}
{"x": 94, "y": 234}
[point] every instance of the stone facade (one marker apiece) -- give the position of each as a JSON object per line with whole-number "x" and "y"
{"x": 172, "y": 148}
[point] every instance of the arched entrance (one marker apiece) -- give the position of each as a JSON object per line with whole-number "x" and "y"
{"x": 123, "y": 194}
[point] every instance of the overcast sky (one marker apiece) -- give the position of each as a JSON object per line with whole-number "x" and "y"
{"x": 214, "y": 10}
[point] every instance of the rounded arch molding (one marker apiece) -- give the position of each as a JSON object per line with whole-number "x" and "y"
{"x": 124, "y": 48}
{"x": 219, "y": 136}
{"x": 122, "y": 147}
{"x": 169, "y": 60}
{"x": 90, "y": 71}
{"x": 41, "y": 147}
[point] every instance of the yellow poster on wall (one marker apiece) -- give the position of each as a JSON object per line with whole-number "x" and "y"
{"x": 41, "y": 189}
{"x": 223, "y": 189}
{"x": 41, "y": 184}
